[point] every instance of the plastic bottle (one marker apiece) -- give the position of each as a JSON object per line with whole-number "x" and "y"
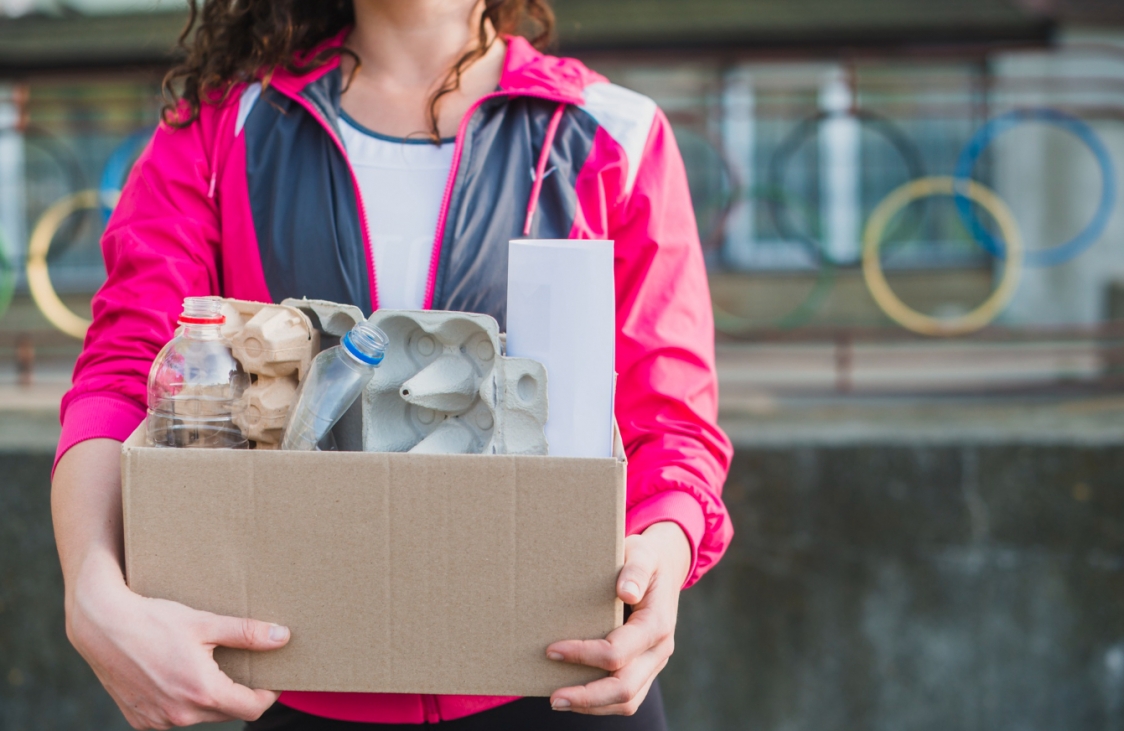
{"x": 336, "y": 378}
{"x": 194, "y": 383}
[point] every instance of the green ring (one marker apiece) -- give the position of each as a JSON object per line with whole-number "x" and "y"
{"x": 803, "y": 312}
{"x": 7, "y": 278}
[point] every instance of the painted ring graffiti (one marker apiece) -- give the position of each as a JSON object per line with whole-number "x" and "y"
{"x": 892, "y": 305}
{"x": 1087, "y": 236}
{"x": 39, "y": 279}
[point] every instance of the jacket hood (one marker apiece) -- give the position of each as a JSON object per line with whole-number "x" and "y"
{"x": 526, "y": 70}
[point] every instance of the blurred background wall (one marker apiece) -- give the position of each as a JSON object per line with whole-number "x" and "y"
{"x": 929, "y": 482}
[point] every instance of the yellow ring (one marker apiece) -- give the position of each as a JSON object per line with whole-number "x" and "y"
{"x": 911, "y": 319}
{"x": 38, "y": 279}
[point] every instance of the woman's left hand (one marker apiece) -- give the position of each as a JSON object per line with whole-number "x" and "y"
{"x": 655, "y": 566}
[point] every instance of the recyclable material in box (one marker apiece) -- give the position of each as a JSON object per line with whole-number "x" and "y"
{"x": 397, "y": 572}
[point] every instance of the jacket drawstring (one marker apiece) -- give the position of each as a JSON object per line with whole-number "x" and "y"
{"x": 214, "y": 162}
{"x": 540, "y": 170}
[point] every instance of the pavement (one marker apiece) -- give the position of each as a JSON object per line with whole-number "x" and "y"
{"x": 931, "y": 392}
{"x": 1078, "y": 420}
{"x": 29, "y": 419}
{"x": 29, "y": 415}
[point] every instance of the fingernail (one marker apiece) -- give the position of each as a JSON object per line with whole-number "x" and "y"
{"x": 630, "y": 588}
{"x": 560, "y": 705}
{"x": 554, "y": 655}
{"x": 278, "y": 633}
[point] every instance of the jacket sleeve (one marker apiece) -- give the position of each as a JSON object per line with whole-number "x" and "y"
{"x": 159, "y": 247}
{"x": 667, "y": 387}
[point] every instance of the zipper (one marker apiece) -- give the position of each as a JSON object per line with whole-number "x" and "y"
{"x": 358, "y": 196}
{"x": 429, "y": 703}
{"x": 446, "y": 199}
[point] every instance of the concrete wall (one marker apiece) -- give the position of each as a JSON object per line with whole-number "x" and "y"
{"x": 44, "y": 684}
{"x": 869, "y": 587}
{"x": 911, "y": 589}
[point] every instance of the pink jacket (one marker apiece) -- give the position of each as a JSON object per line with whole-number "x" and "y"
{"x": 256, "y": 201}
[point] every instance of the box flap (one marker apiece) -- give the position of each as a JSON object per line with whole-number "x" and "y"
{"x": 618, "y": 444}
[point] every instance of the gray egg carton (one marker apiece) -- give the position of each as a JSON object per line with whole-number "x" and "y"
{"x": 444, "y": 387}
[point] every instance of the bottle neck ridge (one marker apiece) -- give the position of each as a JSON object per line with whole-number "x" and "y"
{"x": 202, "y": 332}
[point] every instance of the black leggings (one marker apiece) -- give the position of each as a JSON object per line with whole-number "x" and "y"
{"x": 525, "y": 714}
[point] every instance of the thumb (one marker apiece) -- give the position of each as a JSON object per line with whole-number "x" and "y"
{"x": 245, "y": 634}
{"x": 636, "y": 575}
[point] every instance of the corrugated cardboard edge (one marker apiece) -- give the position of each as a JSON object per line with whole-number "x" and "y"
{"x": 136, "y": 439}
{"x": 622, "y": 502}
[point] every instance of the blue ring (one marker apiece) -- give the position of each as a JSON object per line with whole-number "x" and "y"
{"x": 970, "y": 154}
{"x": 359, "y": 355}
{"x": 117, "y": 167}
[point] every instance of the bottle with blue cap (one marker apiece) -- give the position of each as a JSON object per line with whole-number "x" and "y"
{"x": 335, "y": 380}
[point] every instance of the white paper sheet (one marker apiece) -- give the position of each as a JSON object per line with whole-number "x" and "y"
{"x": 561, "y": 311}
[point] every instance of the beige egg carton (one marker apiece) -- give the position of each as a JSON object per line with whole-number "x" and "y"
{"x": 275, "y": 345}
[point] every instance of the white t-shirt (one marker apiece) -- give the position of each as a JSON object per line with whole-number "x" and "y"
{"x": 402, "y": 182}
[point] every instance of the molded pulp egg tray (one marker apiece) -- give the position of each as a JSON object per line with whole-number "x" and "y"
{"x": 444, "y": 386}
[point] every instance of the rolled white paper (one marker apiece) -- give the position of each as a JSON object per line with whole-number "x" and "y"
{"x": 561, "y": 311}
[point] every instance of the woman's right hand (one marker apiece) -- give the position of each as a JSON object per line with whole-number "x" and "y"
{"x": 154, "y": 657}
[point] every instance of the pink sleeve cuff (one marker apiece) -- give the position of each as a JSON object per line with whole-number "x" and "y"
{"x": 673, "y": 506}
{"x": 97, "y": 416}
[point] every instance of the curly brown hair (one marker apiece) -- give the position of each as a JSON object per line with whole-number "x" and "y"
{"x": 236, "y": 41}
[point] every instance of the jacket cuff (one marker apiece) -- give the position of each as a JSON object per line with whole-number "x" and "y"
{"x": 97, "y": 416}
{"x": 673, "y": 506}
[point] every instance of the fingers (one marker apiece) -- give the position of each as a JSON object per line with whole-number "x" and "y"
{"x": 155, "y": 658}
{"x": 238, "y": 701}
{"x": 618, "y": 649}
{"x": 635, "y": 652}
{"x": 221, "y": 695}
{"x": 214, "y": 697}
{"x": 243, "y": 634}
{"x": 143, "y": 713}
{"x": 628, "y": 708}
{"x": 640, "y": 564}
{"x": 620, "y": 694}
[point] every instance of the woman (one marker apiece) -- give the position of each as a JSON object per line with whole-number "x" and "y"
{"x": 382, "y": 153}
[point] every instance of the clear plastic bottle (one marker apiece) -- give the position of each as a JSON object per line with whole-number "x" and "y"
{"x": 336, "y": 378}
{"x": 194, "y": 383}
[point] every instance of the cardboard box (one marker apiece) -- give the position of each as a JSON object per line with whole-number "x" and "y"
{"x": 397, "y": 573}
